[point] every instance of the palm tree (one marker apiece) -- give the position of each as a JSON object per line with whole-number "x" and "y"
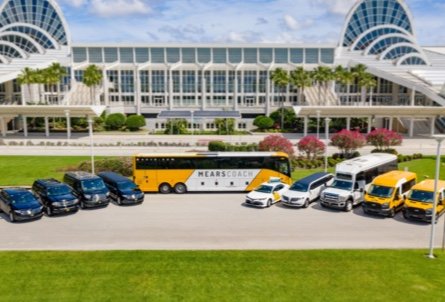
{"x": 368, "y": 82}
{"x": 360, "y": 72}
{"x": 346, "y": 78}
{"x": 280, "y": 78}
{"x": 39, "y": 79}
{"x": 301, "y": 79}
{"x": 57, "y": 73}
{"x": 26, "y": 78}
{"x": 322, "y": 75}
{"x": 50, "y": 78}
{"x": 92, "y": 78}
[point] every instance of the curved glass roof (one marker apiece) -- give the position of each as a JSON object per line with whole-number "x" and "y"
{"x": 413, "y": 61}
{"x": 371, "y": 13}
{"x": 371, "y": 36}
{"x": 383, "y": 44}
{"x": 399, "y": 51}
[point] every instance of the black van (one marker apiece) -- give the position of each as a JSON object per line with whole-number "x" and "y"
{"x": 57, "y": 197}
{"x": 122, "y": 189}
{"x": 90, "y": 189}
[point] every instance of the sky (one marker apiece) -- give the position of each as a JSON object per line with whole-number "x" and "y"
{"x": 229, "y": 21}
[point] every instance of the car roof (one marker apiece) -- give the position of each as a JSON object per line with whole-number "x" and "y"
{"x": 393, "y": 178}
{"x": 15, "y": 190}
{"x": 428, "y": 185}
{"x": 113, "y": 176}
{"x": 311, "y": 178}
{"x": 81, "y": 175}
{"x": 50, "y": 182}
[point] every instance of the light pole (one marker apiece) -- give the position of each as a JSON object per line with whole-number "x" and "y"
{"x": 439, "y": 140}
{"x": 90, "y": 130}
{"x": 318, "y": 124}
{"x": 326, "y": 126}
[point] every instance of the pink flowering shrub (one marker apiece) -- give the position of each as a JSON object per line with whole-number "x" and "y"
{"x": 276, "y": 143}
{"x": 311, "y": 147}
{"x": 348, "y": 141}
{"x": 383, "y": 139}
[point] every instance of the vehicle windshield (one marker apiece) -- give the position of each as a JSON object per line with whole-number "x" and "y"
{"x": 22, "y": 198}
{"x": 264, "y": 189}
{"x": 59, "y": 190}
{"x": 299, "y": 187}
{"x": 127, "y": 186}
{"x": 342, "y": 185}
{"x": 422, "y": 196}
{"x": 380, "y": 191}
{"x": 92, "y": 185}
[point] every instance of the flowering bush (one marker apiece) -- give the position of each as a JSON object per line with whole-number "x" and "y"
{"x": 383, "y": 139}
{"x": 276, "y": 143}
{"x": 311, "y": 146}
{"x": 348, "y": 141}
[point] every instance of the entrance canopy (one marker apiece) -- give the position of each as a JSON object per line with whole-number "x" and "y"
{"x": 51, "y": 111}
{"x": 366, "y": 111}
{"x": 199, "y": 114}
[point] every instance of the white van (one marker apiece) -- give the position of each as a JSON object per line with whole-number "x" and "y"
{"x": 352, "y": 177}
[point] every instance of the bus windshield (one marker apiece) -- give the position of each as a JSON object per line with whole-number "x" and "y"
{"x": 422, "y": 196}
{"x": 264, "y": 189}
{"x": 342, "y": 185}
{"x": 380, "y": 191}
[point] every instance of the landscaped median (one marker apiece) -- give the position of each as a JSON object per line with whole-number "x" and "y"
{"x": 341, "y": 275}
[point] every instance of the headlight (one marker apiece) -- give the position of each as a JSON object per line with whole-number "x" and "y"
{"x": 107, "y": 194}
{"x": 21, "y": 212}
{"x": 87, "y": 196}
{"x": 57, "y": 204}
{"x": 429, "y": 212}
{"x": 385, "y": 205}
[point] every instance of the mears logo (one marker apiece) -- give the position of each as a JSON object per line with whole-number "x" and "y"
{"x": 226, "y": 174}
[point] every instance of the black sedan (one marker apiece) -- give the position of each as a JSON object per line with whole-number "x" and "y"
{"x": 20, "y": 204}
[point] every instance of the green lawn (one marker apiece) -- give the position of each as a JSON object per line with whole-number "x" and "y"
{"x": 23, "y": 170}
{"x": 222, "y": 276}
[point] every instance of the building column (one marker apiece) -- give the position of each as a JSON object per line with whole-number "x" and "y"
{"x": 348, "y": 123}
{"x": 395, "y": 94}
{"x": 306, "y": 125}
{"x": 433, "y": 125}
{"x": 204, "y": 92}
{"x": 46, "y": 126}
{"x": 3, "y": 125}
{"x": 25, "y": 126}
{"x": 390, "y": 126}
{"x": 413, "y": 97}
{"x": 170, "y": 88}
{"x": 137, "y": 86}
{"x": 235, "y": 90}
{"x": 369, "y": 124}
{"x": 411, "y": 127}
{"x": 68, "y": 124}
{"x": 268, "y": 83}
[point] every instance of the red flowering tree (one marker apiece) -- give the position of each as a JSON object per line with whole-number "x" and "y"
{"x": 383, "y": 139}
{"x": 311, "y": 147}
{"x": 348, "y": 141}
{"x": 276, "y": 143}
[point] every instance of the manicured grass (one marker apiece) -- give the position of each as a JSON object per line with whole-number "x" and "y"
{"x": 23, "y": 170}
{"x": 222, "y": 276}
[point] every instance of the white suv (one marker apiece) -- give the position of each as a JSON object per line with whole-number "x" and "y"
{"x": 307, "y": 190}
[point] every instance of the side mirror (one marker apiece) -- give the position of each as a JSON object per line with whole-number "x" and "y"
{"x": 361, "y": 190}
{"x": 397, "y": 197}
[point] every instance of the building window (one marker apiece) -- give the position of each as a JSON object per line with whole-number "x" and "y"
{"x": 263, "y": 81}
{"x": 110, "y": 55}
{"x": 157, "y": 55}
{"x": 296, "y": 55}
{"x": 95, "y": 55}
{"x": 219, "y": 55}
{"x": 176, "y": 77}
{"x": 79, "y": 54}
{"x": 235, "y": 55}
{"x": 173, "y": 55}
{"x": 188, "y": 81}
{"x": 266, "y": 55}
{"x": 158, "y": 81}
{"x": 204, "y": 55}
{"x": 327, "y": 55}
{"x": 127, "y": 81}
{"x": 113, "y": 78}
{"x": 144, "y": 76}
{"x": 250, "y": 55}
{"x": 250, "y": 81}
{"x": 126, "y": 55}
{"x": 142, "y": 55}
{"x": 188, "y": 55}
{"x": 219, "y": 81}
{"x": 78, "y": 75}
{"x": 312, "y": 55}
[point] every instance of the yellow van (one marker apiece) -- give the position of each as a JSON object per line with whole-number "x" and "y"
{"x": 419, "y": 202}
{"x": 387, "y": 193}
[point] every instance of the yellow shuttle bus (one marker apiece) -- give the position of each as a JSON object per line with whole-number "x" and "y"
{"x": 209, "y": 171}
{"x": 419, "y": 202}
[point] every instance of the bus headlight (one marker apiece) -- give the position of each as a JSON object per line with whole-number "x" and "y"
{"x": 385, "y": 205}
{"x": 429, "y": 212}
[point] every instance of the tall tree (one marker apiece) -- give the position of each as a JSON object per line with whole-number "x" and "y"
{"x": 369, "y": 83}
{"x": 58, "y": 72}
{"x": 360, "y": 72}
{"x": 280, "y": 78}
{"x": 301, "y": 79}
{"x": 345, "y": 77}
{"x": 92, "y": 78}
{"x": 322, "y": 75}
{"x": 26, "y": 78}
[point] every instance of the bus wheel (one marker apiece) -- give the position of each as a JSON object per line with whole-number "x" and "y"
{"x": 392, "y": 213}
{"x": 180, "y": 188}
{"x": 348, "y": 206}
{"x": 165, "y": 188}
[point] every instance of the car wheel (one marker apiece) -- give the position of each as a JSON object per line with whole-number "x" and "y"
{"x": 165, "y": 188}
{"x": 48, "y": 211}
{"x": 11, "y": 217}
{"x": 405, "y": 215}
{"x": 365, "y": 210}
{"x": 180, "y": 188}
{"x": 306, "y": 203}
{"x": 118, "y": 201}
{"x": 269, "y": 203}
{"x": 392, "y": 213}
{"x": 348, "y": 206}
{"x": 82, "y": 205}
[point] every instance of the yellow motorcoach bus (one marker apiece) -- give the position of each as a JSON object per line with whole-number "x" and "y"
{"x": 209, "y": 171}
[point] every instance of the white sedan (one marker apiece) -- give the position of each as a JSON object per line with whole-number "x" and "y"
{"x": 266, "y": 194}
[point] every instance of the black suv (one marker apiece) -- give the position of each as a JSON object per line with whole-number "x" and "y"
{"x": 122, "y": 189}
{"x": 20, "y": 204}
{"x": 57, "y": 197}
{"x": 90, "y": 189}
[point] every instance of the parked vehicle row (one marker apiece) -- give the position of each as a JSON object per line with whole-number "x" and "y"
{"x": 78, "y": 190}
{"x": 371, "y": 181}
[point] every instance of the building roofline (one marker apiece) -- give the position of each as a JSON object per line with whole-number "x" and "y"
{"x": 205, "y": 45}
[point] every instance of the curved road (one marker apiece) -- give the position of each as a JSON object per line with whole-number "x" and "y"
{"x": 213, "y": 221}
